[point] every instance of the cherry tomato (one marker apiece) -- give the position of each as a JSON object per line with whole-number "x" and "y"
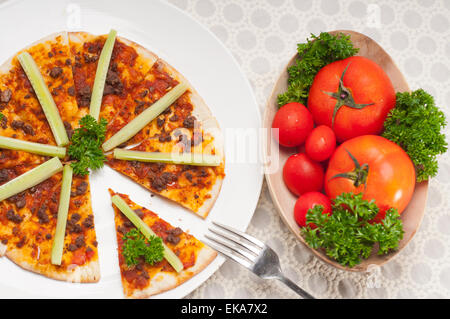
{"x": 306, "y": 202}
{"x": 320, "y": 143}
{"x": 294, "y": 122}
{"x": 301, "y": 174}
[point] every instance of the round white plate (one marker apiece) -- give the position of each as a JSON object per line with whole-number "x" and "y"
{"x": 211, "y": 69}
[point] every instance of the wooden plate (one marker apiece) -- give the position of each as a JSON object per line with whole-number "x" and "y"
{"x": 284, "y": 200}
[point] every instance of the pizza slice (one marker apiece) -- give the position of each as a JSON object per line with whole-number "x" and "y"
{"x": 141, "y": 279}
{"x": 24, "y": 117}
{"x": 186, "y": 126}
{"x": 129, "y": 63}
{"x": 28, "y": 223}
{"x": 194, "y": 187}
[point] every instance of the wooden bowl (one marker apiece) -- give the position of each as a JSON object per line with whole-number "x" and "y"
{"x": 284, "y": 200}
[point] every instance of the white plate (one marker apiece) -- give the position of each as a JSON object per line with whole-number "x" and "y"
{"x": 211, "y": 69}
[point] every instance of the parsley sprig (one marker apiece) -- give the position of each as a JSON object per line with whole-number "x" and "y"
{"x": 416, "y": 124}
{"x": 85, "y": 148}
{"x": 136, "y": 246}
{"x": 317, "y": 52}
{"x": 349, "y": 234}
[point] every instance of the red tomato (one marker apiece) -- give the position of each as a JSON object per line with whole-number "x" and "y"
{"x": 320, "y": 143}
{"x": 353, "y": 96}
{"x": 385, "y": 174}
{"x": 306, "y": 202}
{"x": 294, "y": 122}
{"x": 302, "y": 175}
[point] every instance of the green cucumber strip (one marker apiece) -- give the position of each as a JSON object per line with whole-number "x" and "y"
{"x": 146, "y": 231}
{"x": 63, "y": 209}
{"x": 139, "y": 122}
{"x": 30, "y": 178}
{"x": 196, "y": 159}
{"x": 35, "y": 148}
{"x": 45, "y": 98}
{"x": 100, "y": 75}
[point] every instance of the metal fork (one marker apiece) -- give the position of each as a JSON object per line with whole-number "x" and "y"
{"x": 250, "y": 253}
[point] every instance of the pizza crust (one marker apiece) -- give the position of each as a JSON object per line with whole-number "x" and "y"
{"x": 167, "y": 281}
{"x": 2, "y": 249}
{"x": 87, "y": 273}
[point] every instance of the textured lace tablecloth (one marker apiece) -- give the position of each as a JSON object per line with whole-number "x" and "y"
{"x": 262, "y": 36}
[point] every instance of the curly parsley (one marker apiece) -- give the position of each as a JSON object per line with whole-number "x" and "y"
{"x": 136, "y": 246}
{"x": 86, "y": 145}
{"x": 349, "y": 234}
{"x": 416, "y": 125}
{"x": 317, "y": 52}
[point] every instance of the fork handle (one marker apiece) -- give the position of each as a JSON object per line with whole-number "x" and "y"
{"x": 294, "y": 287}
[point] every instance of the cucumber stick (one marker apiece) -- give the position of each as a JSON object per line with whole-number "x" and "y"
{"x": 63, "y": 209}
{"x": 45, "y": 98}
{"x": 171, "y": 158}
{"x": 139, "y": 122}
{"x": 30, "y": 178}
{"x": 36, "y": 148}
{"x": 100, "y": 75}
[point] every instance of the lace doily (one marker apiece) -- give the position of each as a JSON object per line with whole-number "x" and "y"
{"x": 262, "y": 36}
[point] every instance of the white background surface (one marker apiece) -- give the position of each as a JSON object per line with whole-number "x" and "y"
{"x": 192, "y": 50}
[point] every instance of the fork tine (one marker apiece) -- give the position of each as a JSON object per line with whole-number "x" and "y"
{"x": 244, "y": 262}
{"x": 237, "y": 240}
{"x": 234, "y": 247}
{"x": 251, "y": 239}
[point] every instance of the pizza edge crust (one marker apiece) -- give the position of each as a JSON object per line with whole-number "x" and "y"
{"x": 86, "y": 273}
{"x": 168, "y": 281}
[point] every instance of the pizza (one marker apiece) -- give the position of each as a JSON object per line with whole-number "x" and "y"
{"x": 28, "y": 222}
{"x": 187, "y": 126}
{"x": 136, "y": 79}
{"x": 143, "y": 280}
{"x": 28, "y": 219}
{"x": 193, "y": 187}
{"x": 23, "y": 114}
{"x": 129, "y": 64}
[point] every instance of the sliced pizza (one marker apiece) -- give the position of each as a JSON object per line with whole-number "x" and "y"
{"x": 129, "y": 63}
{"x": 28, "y": 219}
{"x": 28, "y": 222}
{"x": 186, "y": 126}
{"x": 25, "y": 118}
{"x": 141, "y": 278}
{"x": 194, "y": 187}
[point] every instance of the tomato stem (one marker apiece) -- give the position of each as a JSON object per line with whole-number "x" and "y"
{"x": 344, "y": 97}
{"x": 358, "y": 175}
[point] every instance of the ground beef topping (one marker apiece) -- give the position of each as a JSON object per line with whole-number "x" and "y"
{"x": 173, "y": 235}
{"x": 15, "y": 218}
{"x": 71, "y": 91}
{"x": 79, "y": 241}
{"x": 89, "y": 221}
{"x": 84, "y": 96}
{"x": 113, "y": 84}
{"x": 56, "y": 72}
{"x": 189, "y": 122}
{"x": 5, "y": 96}
{"x": 42, "y": 215}
{"x": 69, "y": 129}
{"x": 4, "y": 175}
